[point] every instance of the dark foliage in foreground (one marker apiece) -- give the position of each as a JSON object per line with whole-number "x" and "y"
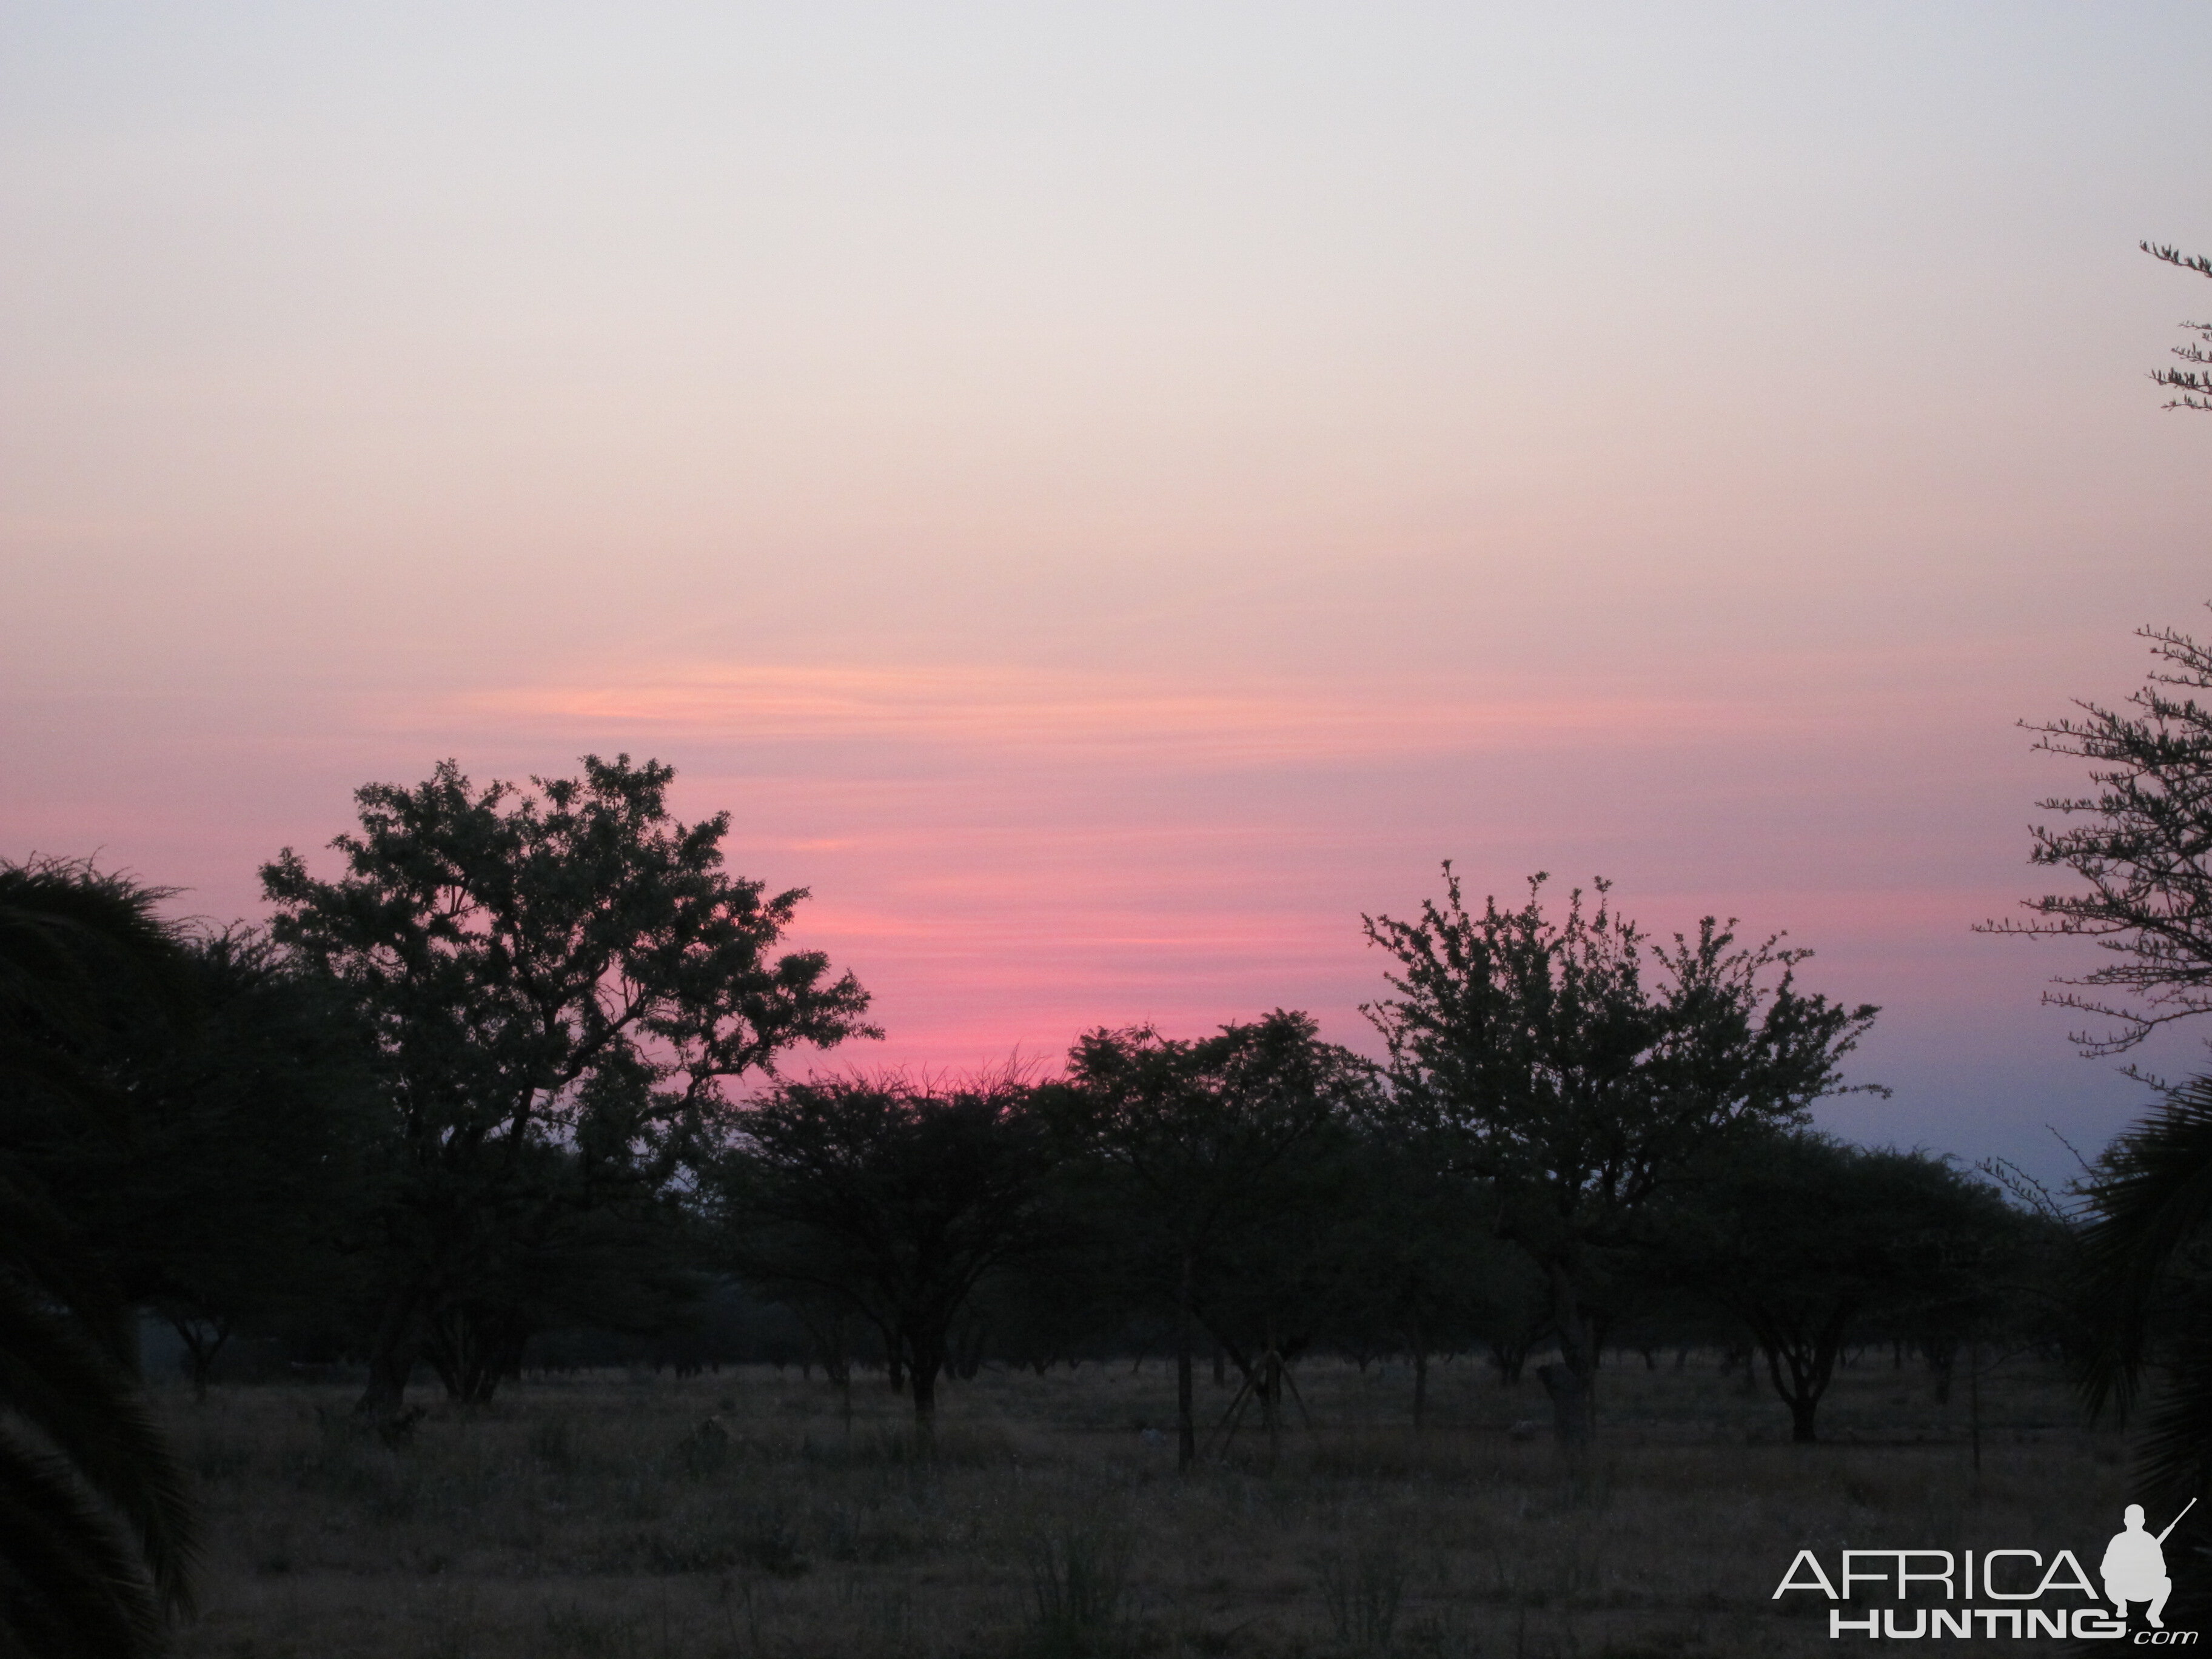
{"x": 2146, "y": 1267}
{"x": 95, "y": 1532}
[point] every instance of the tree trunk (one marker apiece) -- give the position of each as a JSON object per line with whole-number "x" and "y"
{"x": 1420, "y": 1384}
{"x": 1942, "y": 1357}
{"x": 1271, "y": 1402}
{"x": 1569, "y": 1394}
{"x": 204, "y": 1342}
{"x": 1186, "y": 1409}
{"x": 473, "y": 1348}
{"x": 1802, "y": 1408}
{"x": 967, "y": 1351}
{"x": 1812, "y": 1363}
{"x": 826, "y": 1334}
{"x": 1568, "y": 1384}
{"x": 391, "y": 1358}
{"x": 1509, "y": 1357}
{"x": 925, "y": 1360}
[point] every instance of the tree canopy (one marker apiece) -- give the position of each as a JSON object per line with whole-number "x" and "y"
{"x": 559, "y": 984}
{"x": 1806, "y": 1241}
{"x": 2141, "y": 841}
{"x": 1576, "y": 1065}
{"x": 891, "y": 1200}
{"x": 1200, "y": 1143}
{"x": 2192, "y": 384}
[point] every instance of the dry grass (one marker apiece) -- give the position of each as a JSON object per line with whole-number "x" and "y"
{"x": 592, "y": 1518}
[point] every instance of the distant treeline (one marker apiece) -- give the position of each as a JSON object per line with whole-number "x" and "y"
{"x": 506, "y": 1092}
{"x": 476, "y": 1103}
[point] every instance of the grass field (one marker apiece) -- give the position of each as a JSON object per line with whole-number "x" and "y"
{"x": 594, "y": 1517}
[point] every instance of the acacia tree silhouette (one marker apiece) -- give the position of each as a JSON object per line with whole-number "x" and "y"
{"x": 886, "y": 1197}
{"x": 1203, "y": 1145}
{"x": 2193, "y": 384}
{"x": 2143, "y": 1291}
{"x": 2141, "y": 841}
{"x": 1546, "y": 1062}
{"x": 1804, "y": 1238}
{"x": 560, "y": 982}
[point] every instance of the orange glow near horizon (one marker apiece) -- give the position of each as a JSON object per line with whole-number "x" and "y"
{"x": 1069, "y": 714}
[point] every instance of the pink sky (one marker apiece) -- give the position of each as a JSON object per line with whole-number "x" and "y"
{"x": 1104, "y": 498}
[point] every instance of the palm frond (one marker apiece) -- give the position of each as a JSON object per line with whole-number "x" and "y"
{"x": 61, "y": 1386}
{"x": 95, "y": 1525}
{"x": 73, "y": 1583}
{"x": 2154, "y": 1199}
{"x": 2171, "y": 1456}
{"x": 72, "y": 937}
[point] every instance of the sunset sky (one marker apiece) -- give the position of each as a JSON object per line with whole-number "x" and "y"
{"x": 1107, "y": 495}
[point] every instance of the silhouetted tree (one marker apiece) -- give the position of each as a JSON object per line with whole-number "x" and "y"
{"x": 558, "y": 984}
{"x": 1072, "y": 1303}
{"x": 602, "y": 1244}
{"x": 1513, "y": 1316}
{"x": 2142, "y": 843}
{"x": 1551, "y": 1067}
{"x": 1809, "y": 1242}
{"x": 1201, "y": 1144}
{"x": 96, "y": 1531}
{"x": 1419, "y": 1267}
{"x": 889, "y": 1199}
{"x": 2193, "y": 383}
{"x": 1267, "y": 1294}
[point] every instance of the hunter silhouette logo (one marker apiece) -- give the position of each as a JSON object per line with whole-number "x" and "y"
{"x": 2016, "y": 1580}
{"x": 2134, "y": 1568}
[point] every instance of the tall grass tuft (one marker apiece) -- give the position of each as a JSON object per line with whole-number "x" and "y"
{"x": 552, "y": 1445}
{"x": 1079, "y": 1579}
{"x": 1364, "y": 1592}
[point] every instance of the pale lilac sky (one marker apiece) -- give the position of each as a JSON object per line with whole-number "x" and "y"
{"x": 1107, "y": 495}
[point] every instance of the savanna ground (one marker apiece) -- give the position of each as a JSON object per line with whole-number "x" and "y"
{"x": 592, "y": 1517}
